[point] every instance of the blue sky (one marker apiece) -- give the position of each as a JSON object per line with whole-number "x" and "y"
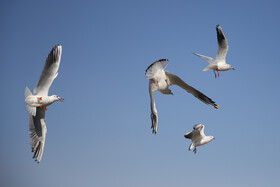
{"x": 101, "y": 136}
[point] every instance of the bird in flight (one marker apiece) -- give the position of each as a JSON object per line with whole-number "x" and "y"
{"x": 37, "y": 102}
{"x": 218, "y": 64}
{"x": 198, "y": 137}
{"x": 160, "y": 80}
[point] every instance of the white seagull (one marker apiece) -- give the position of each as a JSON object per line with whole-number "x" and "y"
{"x": 160, "y": 80}
{"x": 218, "y": 64}
{"x": 198, "y": 137}
{"x": 36, "y": 104}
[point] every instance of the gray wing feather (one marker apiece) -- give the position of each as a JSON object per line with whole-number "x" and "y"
{"x": 197, "y": 126}
{"x": 154, "y": 114}
{"x": 37, "y": 130}
{"x": 189, "y": 135}
{"x": 178, "y": 81}
{"x": 192, "y": 134}
{"x": 209, "y": 59}
{"x": 222, "y": 44}
{"x": 49, "y": 72}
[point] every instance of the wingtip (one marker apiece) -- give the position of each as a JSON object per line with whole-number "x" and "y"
{"x": 217, "y": 26}
{"x": 57, "y": 47}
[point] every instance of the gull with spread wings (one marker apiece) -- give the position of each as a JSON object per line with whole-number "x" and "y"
{"x": 37, "y": 102}
{"x": 198, "y": 137}
{"x": 160, "y": 80}
{"x": 218, "y": 64}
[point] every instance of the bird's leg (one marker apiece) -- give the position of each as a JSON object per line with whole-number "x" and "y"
{"x": 194, "y": 150}
{"x": 168, "y": 81}
{"x": 215, "y": 73}
{"x": 218, "y": 74}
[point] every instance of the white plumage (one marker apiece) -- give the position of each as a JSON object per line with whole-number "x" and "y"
{"x": 198, "y": 137}
{"x": 160, "y": 80}
{"x": 36, "y": 103}
{"x": 218, "y": 64}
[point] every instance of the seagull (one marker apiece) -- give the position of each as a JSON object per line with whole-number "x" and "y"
{"x": 160, "y": 80}
{"x": 198, "y": 137}
{"x": 37, "y": 102}
{"x": 218, "y": 64}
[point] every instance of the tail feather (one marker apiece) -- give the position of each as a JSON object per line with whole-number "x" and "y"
{"x": 211, "y": 66}
{"x": 31, "y": 109}
{"x": 27, "y": 92}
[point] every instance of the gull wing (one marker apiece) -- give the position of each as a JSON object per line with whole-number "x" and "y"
{"x": 49, "y": 72}
{"x": 209, "y": 59}
{"x": 156, "y": 68}
{"x": 154, "y": 114}
{"x": 189, "y": 135}
{"x": 199, "y": 128}
{"x": 179, "y": 82}
{"x": 192, "y": 134}
{"x": 222, "y": 45}
{"x": 37, "y": 131}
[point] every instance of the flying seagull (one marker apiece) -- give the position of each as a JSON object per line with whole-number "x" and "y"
{"x": 37, "y": 102}
{"x": 198, "y": 137}
{"x": 218, "y": 64}
{"x": 160, "y": 80}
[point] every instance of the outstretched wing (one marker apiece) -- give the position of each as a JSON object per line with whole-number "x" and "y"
{"x": 154, "y": 114}
{"x": 178, "y": 81}
{"x": 37, "y": 131}
{"x": 156, "y": 68}
{"x": 222, "y": 44}
{"x": 49, "y": 72}
{"x": 199, "y": 128}
{"x": 192, "y": 134}
{"x": 209, "y": 59}
{"x": 189, "y": 135}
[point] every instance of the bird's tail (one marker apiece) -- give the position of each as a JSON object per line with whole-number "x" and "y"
{"x": 210, "y": 66}
{"x": 31, "y": 109}
{"x": 27, "y": 92}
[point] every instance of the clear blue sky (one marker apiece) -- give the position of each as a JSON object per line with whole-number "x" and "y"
{"x": 101, "y": 136}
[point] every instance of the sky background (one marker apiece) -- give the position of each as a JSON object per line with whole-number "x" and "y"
{"x": 101, "y": 136}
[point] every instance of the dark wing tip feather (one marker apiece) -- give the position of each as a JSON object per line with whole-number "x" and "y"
{"x": 207, "y": 100}
{"x": 188, "y": 136}
{"x": 54, "y": 54}
{"x": 154, "y": 123}
{"x": 160, "y": 60}
{"x": 220, "y": 35}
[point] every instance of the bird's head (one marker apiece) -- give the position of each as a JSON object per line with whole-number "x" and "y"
{"x": 230, "y": 67}
{"x": 57, "y": 98}
{"x": 170, "y": 92}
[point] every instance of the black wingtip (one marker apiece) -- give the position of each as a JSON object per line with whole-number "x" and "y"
{"x": 160, "y": 60}
{"x": 163, "y": 59}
